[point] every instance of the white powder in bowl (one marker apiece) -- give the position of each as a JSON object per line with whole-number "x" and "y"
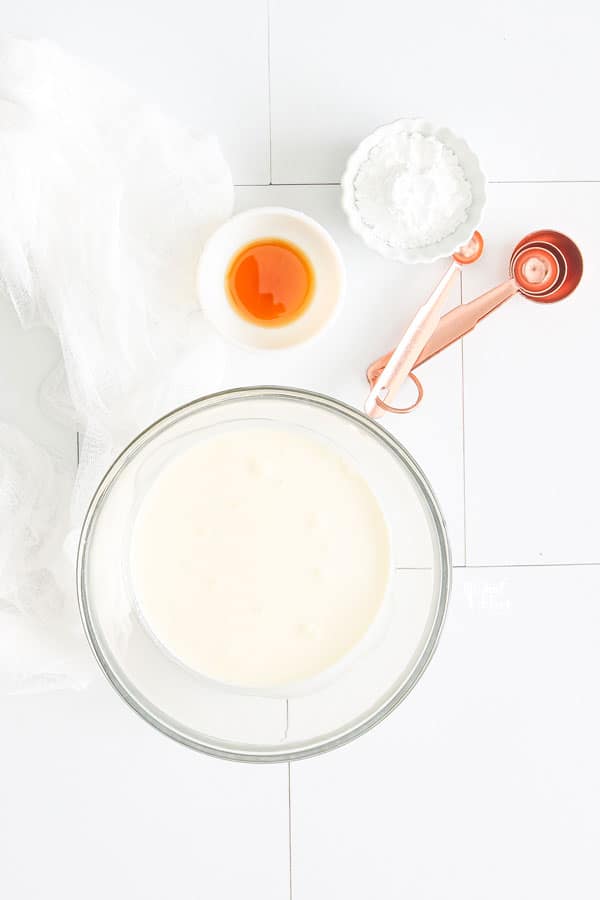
{"x": 412, "y": 191}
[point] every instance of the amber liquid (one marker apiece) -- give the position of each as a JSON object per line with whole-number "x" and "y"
{"x": 270, "y": 282}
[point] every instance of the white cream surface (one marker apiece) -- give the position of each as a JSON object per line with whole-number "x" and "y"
{"x": 260, "y": 556}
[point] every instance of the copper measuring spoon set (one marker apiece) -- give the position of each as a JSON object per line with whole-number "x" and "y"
{"x": 545, "y": 266}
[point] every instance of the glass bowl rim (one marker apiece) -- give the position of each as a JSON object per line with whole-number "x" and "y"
{"x": 157, "y": 718}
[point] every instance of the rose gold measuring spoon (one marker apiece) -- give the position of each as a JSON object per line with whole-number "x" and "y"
{"x": 396, "y": 366}
{"x": 545, "y": 266}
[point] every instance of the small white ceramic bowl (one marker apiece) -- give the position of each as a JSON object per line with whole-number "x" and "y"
{"x": 473, "y": 174}
{"x": 283, "y": 224}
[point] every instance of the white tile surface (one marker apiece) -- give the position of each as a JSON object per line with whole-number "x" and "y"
{"x": 339, "y": 69}
{"x": 381, "y": 298}
{"x": 482, "y": 783}
{"x": 204, "y": 63}
{"x": 531, "y": 383}
{"x": 96, "y": 804}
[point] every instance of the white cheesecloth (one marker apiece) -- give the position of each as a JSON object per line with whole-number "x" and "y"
{"x": 104, "y": 207}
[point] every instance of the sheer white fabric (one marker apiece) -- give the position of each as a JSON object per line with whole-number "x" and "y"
{"x": 105, "y": 206}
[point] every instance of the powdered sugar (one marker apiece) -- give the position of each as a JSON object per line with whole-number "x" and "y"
{"x": 412, "y": 191}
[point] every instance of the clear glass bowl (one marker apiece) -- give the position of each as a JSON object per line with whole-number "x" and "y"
{"x": 248, "y": 725}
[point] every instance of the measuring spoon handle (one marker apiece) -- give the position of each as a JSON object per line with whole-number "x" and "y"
{"x": 463, "y": 319}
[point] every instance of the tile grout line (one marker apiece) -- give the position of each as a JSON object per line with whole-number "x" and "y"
{"x": 464, "y": 447}
{"x": 272, "y": 183}
{"x": 544, "y": 181}
{"x": 506, "y": 565}
{"x": 289, "y": 765}
{"x": 268, "y": 2}
{"x": 554, "y": 565}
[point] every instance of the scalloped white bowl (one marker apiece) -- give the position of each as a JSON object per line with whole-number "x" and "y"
{"x": 473, "y": 173}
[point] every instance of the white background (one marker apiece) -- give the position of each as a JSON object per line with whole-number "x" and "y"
{"x": 484, "y": 784}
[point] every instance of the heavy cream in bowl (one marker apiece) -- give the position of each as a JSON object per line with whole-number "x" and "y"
{"x": 260, "y": 557}
{"x": 263, "y": 574}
